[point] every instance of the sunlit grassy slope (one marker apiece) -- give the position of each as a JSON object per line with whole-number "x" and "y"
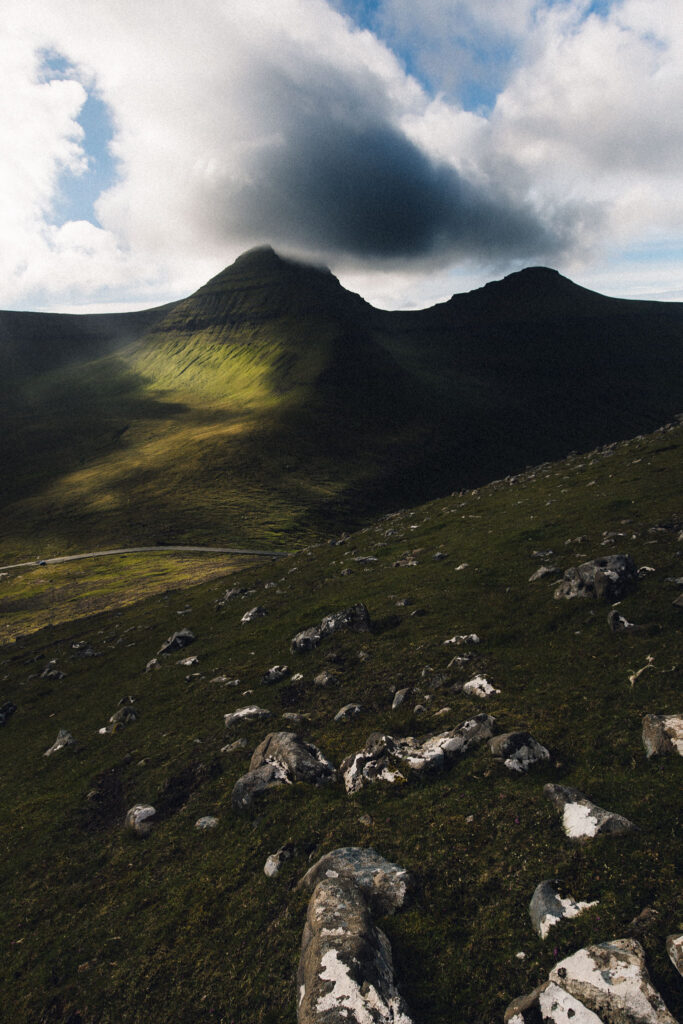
{"x": 272, "y": 404}
{"x": 98, "y": 928}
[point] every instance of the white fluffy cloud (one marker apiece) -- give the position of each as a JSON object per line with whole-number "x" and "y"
{"x": 245, "y": 121}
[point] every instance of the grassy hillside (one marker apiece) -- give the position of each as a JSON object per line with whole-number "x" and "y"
{"x": 101, "y": 928}
{"x": 272, "y": 405}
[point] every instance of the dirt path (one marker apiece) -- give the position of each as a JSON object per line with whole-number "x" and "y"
{"x": 159, "y": 549}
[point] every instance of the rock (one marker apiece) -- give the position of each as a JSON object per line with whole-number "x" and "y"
{"x": 276, "y": 860}
{"x": 232, "y": 593}
{"x": 326, "y": 679}
{"x": 348, "y": 711}
{"x": 383, "y": 756}
{"x": 465, "y": 638}
{"x": 206, "y": 824}
{"x": 405, "y": 602}
{"x": 545, "y": 570}
{"x": 645, "y": 920}
{"x": 582, "y": 819}
{"x": 674, "y": 947}
{"x": 295, "y": 717}
{"x": 189, "y": 662}
{"x": 6, "y": 711}
{"x": 608, "y": 578}
{"x": 64, "y": 739}
{"x": 346, "y": 971}
{"x": 400, "y": 697}
{"x": 139, "y": 819}
{"x": 275, "y": 674}
{"x": 356, "y": 618}
{"x": 611, "y": 980}
{"x": 548, "y": 553}
{"x": 663, "y": 734}
{"x": 281, "y": 758}
{"x": 518, "y": 750}
{"x": 152, "y": 664}
{"x": 384, "y": 885}
{"x": 177, "y": 641}
{"x": 252, "y": 713}
{"x": 479, "y": 687}
{"x": 618, "y": 623}
{"x": 548, "y": 907}
{"x": 119, "y": 719}
{"x": 231, "y": 748}
{"x": 254, "y": 613}
{"x": 366, "y": 820}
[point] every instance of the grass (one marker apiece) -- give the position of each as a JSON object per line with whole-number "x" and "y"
{"x": 102, "y": 928}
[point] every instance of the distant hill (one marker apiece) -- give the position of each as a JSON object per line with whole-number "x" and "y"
{"x": 273, "y": 404}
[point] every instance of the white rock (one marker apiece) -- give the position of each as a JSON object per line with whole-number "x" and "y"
{"x": 479, "y": 686}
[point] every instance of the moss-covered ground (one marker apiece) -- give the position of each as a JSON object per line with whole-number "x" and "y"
{"x": 100, "y": 927}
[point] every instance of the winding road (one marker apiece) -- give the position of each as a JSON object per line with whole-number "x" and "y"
{"x": 159, "y": 549}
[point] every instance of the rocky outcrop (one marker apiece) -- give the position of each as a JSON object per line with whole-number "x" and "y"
{"x": 518, "y": 750}
{"x": 548, "y": 907}
{"x": 176, "y": 642}
{"x": 281, "y": 759}
{"x": 603, "y": 984}
{"x": 663, "y": 734}
{"x": 383, "y": 756}
{"x": 607, "y": 579}
{"x": 582, "y": 819}
{"x": 356, "y": 618}
{"x": 384, "y": 885}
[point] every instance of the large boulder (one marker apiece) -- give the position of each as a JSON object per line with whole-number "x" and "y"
{"x": 384, "y": 885}
{"x": 582, "y": 819}
{"x": 281, "y": 759}
{"x": 346, "y": 973}
{"x": 383, "y": 756}
{"x": 663, "y": 734}
{"x": 603, "y": 984}
{"x": 356, "y": 618}
{"x": 608, "y": 579}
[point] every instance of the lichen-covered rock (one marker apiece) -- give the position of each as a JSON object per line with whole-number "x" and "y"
{"x": 356, "y": 618}
{"x": 346, "y": 973}
{"x": 281, "y": 759}
{"x": 674, "y": 947}
{"x": 383, "y": 756}
{"x": 548, "y": 906}
{"x": 139, "y": 819}
{"x": 385, "y": 886}
{"x": 176, "y": 642}
{"x": 663, "y": 734}
{"x": 582, "y": 819}
{"x": 607, "y": 579}
{"x": 479, "y": 686}
{"x": 518, "y": 750}
{"x": 64, "y": 739}
{"x": 252, "y": 713}
{"x": 611, "y": 980}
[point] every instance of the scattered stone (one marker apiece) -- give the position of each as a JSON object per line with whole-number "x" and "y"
{"x": 618, "y": 623}
{"x": 645, "y": 570}
{"x": 254, "y": 613}
{"x": 365, "y": 559}
{"x": 346, "y": 972}
{"x": 6, "y": 711}
{"x": 231, "y": 748}
{"x": 543, "y": 554}
{"x": 407, "y": 561}
{"x": 545, "y": 570}
{"x": 439, "y": 556}
{"x": 383, "y": 756}
{"x": 295, "y": 718}
{"x": 465, "y": 638}
{"x": 663, "y": 734}
{"x": 404, "y": 602}
{"x": 275, "y": 674}
{"x": 177, "y": 641}
{"x": 674, "y": 947}
{"x": 252, "y": 713}
{"x": 582, "y": 819}
{"x": 400, "y": 697}
{"x": 281, "y": 758}
{"x": 419, "y": 709}
{"x": 384, "y": 885}
{"x": 276, "y": 860}
{"x": 607, "y": 579}
{"x": 153, "y": 664}
{"x": 348, "y": 711}
{"x": 52, "y": 672}
{"x": 366, "y": 820}
{"x": 548, "y": 907}
{"x": 646, "y": 919}
{"x": 297, "y": 677}
{"x": 189, "y": 662}
{"x": 479, "y": 687}
{"x": 206, "y": 824}
{"x": 356, "y": 618}
{"x": 463, "y": 565}
{"x": 518, "y": 750}
{"x": 64, "y": 739}
{"x": 326, "y": 679}
{"x": 139, "y": 819}
{"x": 118, "y": 720}
{"x": 231, "y": 594}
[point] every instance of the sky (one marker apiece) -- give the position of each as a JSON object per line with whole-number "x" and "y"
{"x": 416, "y": 147}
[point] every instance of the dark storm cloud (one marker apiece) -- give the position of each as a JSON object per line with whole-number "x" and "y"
{"x": 356, "y": 185}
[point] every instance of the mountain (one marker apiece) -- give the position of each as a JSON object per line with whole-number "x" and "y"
{"x": 104, "y": 927}
{"x": 273, "y": 405}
